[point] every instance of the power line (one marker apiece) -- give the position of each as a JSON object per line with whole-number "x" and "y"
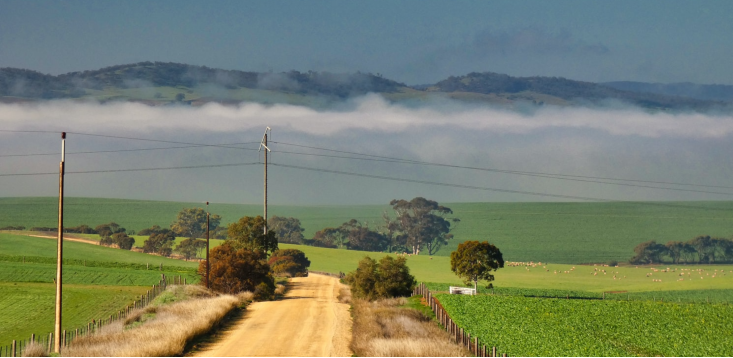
{"x": 528, "y": 173}
{"x": 124, "y": 150}
{"x": 461, "y": 186}
{"x": 134, "y": 169}
{"x": 524, "y": 174}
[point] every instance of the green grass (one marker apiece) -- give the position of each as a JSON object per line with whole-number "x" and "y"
{"x": 545, "y": 276}
{"x": 522, "y": 326}
{"x": 548, "y": 232}
{"x": 18, "y": 245}
{"x": 29, "y": 307}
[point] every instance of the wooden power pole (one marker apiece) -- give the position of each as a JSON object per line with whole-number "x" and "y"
{"x": 207, "y": 246}
{"x": 263, "y": 144}
{"x": 60, "y": 249}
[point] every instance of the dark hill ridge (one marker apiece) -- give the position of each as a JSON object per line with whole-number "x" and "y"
{"x": 685, "y": 89}
{"x": 31, "y": 84}
{"x": 160, "y": 83}
{"x": 488, "y": 83}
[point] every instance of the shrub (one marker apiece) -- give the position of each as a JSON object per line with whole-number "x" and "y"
{"x": 388, "y": 278}
{"x": 264, "y": 292}
{"x": 17, "y": 228}
{"x": 289, "y": 262}
{"x": 236, "y": 270}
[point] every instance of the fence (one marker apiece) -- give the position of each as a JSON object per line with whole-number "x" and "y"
{"x": 457, "y": 333}
{"x": 17, "y": 347}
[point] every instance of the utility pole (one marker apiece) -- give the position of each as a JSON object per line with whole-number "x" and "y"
{"x": 207, "y": 245}
{"x": 263, "y": 144}
{"x": 60, "y": 249}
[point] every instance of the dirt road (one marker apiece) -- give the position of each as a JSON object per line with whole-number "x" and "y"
{"x": 308, "y": 322}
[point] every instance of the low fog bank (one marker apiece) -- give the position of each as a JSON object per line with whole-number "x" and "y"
{"x": 621, "y": 142}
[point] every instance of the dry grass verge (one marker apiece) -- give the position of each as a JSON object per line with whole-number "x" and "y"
{"x": 384, "y": 329}
{"x": 35, "y": 349}
{"x": 159, "y": 330}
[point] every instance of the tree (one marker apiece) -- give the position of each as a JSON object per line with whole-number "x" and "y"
{"x": 248, "y": 233}
{"x": 155, "y": 229}
{"x": 362, "y": 238}
{"x": 236, "y": 270}
{"x": 123, "y": 241}
{"x": 161, "y": 244}
{"x": 362, "y": 280}
{"x": 384, "y": 279}
{"x": 190, "y": 247}
{"x": 705, "y": 248}
{"x": 108, "y": 229}
{"x": 289, "y": 262}
{"x": 474, "y": 261}
{"x": 421, "y": 222}
{"x": 191, "y": 222}
{"x": 675, "y": 250}
{"x": 330, "y": 237}
{"x": 394, "y": 276}
{"x": 288, "y": 230}
{"x": 120, "y": 239}
{"x": 648, "y": 253}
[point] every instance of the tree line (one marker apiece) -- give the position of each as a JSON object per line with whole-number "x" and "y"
{"x": 703, "y": 249}
{"x": 418, "y": 225}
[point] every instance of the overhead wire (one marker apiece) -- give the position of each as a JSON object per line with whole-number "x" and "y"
{"x": 528, "y": 173}
{"x": 523, "y": 192}
{"x": 134, "y": 169}
{"x": 524, "y": 174}
{"x": 125, "y": 150}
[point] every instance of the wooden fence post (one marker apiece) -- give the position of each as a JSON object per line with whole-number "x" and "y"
{"x": 50, "y": 341}
{"x": 12, "y": 349}
{"x": 493, "y": 351}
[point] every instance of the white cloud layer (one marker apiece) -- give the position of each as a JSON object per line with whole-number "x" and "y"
{"x": 371, "y": 113}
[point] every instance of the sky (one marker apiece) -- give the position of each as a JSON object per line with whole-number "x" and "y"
{"x": 414, "y": 42}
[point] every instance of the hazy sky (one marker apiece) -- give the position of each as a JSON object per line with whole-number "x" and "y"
{"x": 410, "y": 41}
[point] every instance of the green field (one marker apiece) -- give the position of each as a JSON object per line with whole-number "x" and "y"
{"x": 18, "y": 245}
{"x": 521, "y": 326}
{"x": 98, "y": 281}
{"x": 29, "y": 307}
{"x": 596, "y": 232}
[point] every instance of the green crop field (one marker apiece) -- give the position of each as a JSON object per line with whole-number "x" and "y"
{"x": 18, "y": 245}
{"x": 522, "y": 326}
{"x": 29, "y": 307}
{"x": 551, "y": 232}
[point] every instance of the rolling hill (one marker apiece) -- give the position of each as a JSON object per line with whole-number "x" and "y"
{"x": 159, "y": 83}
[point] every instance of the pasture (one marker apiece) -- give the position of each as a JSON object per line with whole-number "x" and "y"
{"x": 524, "y": 326}
{"x": 570, "y": 233}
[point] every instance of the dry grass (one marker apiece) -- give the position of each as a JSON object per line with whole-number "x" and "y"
{"x": 35, "y": 349}
{"x": 384, "y": 329}
{"x": 345, "y": 294}
{"x": 280, "y": 290}
{"x": 157, "y": 330}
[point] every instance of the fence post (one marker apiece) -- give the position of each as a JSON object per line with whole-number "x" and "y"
{"x": 12, "y": 349}
{"x": 493, "y": 351}
{"x": 475, "y": 345}
{"x": 50, "y": 341}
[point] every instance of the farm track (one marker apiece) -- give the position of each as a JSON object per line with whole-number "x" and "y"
{"x": 308, "y": 322}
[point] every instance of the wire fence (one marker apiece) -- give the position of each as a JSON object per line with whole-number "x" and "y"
{"x": 17, "y": 347}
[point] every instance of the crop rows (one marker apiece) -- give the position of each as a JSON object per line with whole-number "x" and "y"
{"x": 523, "y": 326}
{"x": 31, "y": 272}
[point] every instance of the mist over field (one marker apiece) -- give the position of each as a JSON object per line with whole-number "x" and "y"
{"x": 613, "y": 142}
